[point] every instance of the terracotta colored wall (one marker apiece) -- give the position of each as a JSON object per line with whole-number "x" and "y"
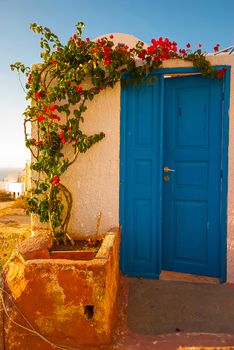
{"x": 53, "y": 295}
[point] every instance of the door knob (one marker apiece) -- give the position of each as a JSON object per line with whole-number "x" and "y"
{"x": 167, "y": 170}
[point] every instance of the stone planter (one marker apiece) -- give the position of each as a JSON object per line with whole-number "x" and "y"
{"x": 72, "y": 255}
{"x": 69, "y": 302}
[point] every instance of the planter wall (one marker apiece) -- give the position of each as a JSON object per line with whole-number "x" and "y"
{"x": 69, "y": 302}
{"x": 1, "y": 321}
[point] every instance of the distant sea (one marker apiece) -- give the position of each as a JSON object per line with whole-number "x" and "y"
{"x": 6, "y": 171}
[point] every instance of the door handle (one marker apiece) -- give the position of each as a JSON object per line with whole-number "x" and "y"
{"x": 167, "y": 170}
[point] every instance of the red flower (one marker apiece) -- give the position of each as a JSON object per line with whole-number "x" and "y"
{"x": 40, "y": 143}
{"x": 58, "y": 49}
{"x": 38, "y": 95}
{"x": 151, "y": 50}
{"x": 216, "y": 48}
{"x": 55, "y": 180}
{"x": 40, "y": 118}
{"x": 87, "y": 39}
{"x": 53, "y": 107}
{"x": 142, "y": 54}
{"x": 199, "y": 45}
{"x": 30, "y": 79}
{"x": 80, "y": 42}
{"x": 55, "y": 116}
{"x": 220, "y": 73}
{"x": 79, "y": 89}
{"x": 188, "y": 45}
{"x": 75, "y": 36}
{"x": 62, "y": 138}
{"x": 182, "y": 51}
{"x": 107, "y": 62}
{"x": 111, "y": 36}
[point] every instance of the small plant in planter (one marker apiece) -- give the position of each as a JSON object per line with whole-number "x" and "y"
{"x": 56, "y": 87}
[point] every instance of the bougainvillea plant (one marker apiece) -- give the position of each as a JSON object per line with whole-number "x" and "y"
{"x": 58, "y": 102}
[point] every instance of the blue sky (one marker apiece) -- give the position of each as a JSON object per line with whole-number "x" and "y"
{"x": 202, "y": 21}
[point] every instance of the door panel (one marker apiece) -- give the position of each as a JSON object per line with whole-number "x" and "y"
{"x": 140, "y": 249}
{"x": 191, "y": 197}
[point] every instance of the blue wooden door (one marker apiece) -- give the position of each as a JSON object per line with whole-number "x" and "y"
{"x": 191, "y": 188}
{"x": 141, "y": 179}
{"x": 175, "y": 224}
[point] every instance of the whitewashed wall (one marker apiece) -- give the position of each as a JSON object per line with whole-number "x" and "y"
{"x": 94, "y": 178}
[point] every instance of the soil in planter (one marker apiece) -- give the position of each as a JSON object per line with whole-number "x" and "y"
{"x": 81, "y": 249}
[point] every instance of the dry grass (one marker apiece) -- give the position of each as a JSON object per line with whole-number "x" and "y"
{"x": 13, "y": 228}
{"x": 5, "y": 196}
{"x": 21, "y": 203}
{"x": 16, "y": 207}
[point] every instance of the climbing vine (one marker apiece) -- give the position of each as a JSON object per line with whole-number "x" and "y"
{"x": 58, "y": 99}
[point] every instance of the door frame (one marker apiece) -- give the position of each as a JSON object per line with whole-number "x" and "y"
{"x": 224, "y": 162}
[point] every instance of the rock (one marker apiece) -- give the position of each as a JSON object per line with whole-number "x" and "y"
{"x": 34, "y": 247}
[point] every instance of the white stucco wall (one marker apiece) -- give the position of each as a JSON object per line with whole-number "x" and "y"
{"x": 94, "y": 178}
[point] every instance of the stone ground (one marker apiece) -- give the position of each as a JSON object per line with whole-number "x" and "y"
{"x": 137, "y": 318}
